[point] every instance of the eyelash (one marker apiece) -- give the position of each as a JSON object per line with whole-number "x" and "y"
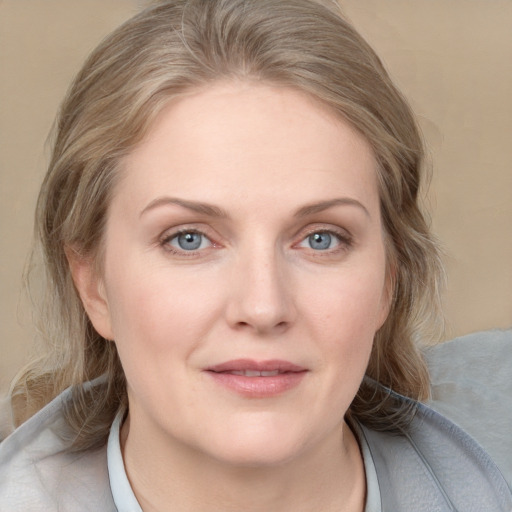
{"x": 345, "y": 241}
{"x": 165, "y": 242}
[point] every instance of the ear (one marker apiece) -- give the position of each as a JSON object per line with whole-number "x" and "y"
{"x": 90, "y": 287}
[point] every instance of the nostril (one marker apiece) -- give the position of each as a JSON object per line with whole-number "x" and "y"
{"x": 276, "y": 328}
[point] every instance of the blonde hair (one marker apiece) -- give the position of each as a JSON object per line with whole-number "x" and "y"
{"x": 165, "y": 51}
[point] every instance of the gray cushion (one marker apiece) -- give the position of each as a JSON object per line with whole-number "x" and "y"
{"x": 472, "y": 386}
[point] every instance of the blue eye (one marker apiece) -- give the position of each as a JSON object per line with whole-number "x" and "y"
{"x": 321, "y": 241}
{"x": 189, "y": 241}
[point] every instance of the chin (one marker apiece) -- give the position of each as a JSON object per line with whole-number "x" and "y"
{"x": 258, "y": 445}
{"x": 257, "y": 455}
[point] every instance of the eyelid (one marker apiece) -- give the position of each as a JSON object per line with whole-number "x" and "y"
{"x": 171, "y": 233}
{"x": 340, "y": 232}
{"x": 178, "y": 235}
{"x": 345, "y": 238}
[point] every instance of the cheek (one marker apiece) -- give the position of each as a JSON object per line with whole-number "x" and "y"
{"x": 352, "y": 299}
{"x": 156, "y": 326}
{"x": 347, "y": 314}
{"x": 342, "y": 324}
{"x": 155, "y": 308}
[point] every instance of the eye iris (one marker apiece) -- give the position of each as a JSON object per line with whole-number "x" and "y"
{"x": 320, "y": 241}
{"x": 189, "y": 241}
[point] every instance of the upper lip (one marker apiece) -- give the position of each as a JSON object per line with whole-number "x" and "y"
{"x": 260, "y": 366}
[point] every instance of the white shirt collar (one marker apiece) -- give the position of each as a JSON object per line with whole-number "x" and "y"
{"x": 122, "y": 492}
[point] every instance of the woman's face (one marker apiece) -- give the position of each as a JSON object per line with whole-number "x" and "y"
{"x": 244, "y": 275}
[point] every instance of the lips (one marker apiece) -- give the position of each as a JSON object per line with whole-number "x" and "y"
{"x": 254, "y": 373}
{"x": 260, "y": 366}
{"x": 257, "y": 379}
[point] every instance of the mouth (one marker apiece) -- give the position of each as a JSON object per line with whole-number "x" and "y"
{"x": 257, "y": 379}
{"x": 254, "y": 373}
{"x": 252, "y": 368}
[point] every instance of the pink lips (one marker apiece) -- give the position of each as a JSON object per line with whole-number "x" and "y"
{"x": 257, "y": 379}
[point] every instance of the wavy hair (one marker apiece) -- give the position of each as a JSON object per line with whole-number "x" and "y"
{"x": 167, "y": 50}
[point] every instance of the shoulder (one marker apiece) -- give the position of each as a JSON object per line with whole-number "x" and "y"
{"x": 37, "y": 473}
{"x": 472, "y": 386}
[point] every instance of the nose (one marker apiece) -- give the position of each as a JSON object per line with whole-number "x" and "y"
{"x": 261, "y": 293}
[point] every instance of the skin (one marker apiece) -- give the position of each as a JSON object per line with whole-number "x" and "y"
{"x": 257, "y": 287}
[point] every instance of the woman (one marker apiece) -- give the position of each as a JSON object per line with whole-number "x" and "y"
{"x": 238, "y": 275}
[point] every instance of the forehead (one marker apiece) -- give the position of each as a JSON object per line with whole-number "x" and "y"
{"x": 246, "y": 139}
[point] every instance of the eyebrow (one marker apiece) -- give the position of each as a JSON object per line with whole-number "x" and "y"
{"x": 313, "y": 208}
{"x": 198, "y": 207}
{"x": 214, "y": 211}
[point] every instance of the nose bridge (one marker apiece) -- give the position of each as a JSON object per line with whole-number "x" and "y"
{"x": 262, "y": 298}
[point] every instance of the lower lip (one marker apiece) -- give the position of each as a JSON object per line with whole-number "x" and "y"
{"x": 258, "y": 387}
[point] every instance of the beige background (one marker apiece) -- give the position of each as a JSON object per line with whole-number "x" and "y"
{"x": 453, "y": 60}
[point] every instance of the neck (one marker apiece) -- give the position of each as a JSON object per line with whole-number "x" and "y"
{"x": 327, "y": 477}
